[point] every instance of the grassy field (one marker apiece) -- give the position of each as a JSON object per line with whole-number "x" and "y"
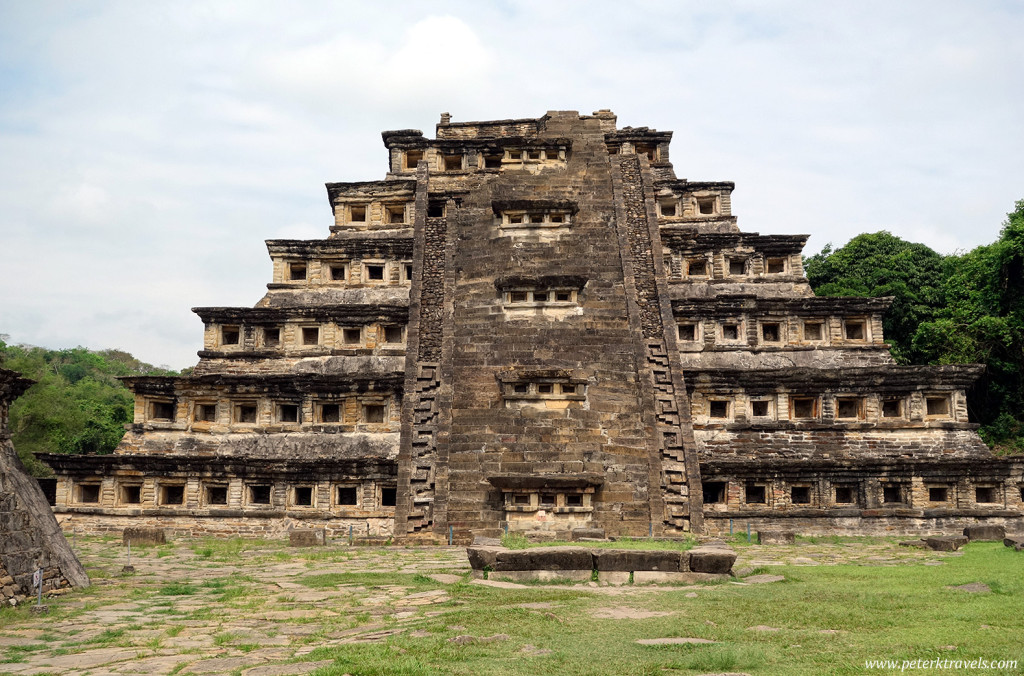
{"x": 897, "y": 613}
{"x": 227, "y": 606}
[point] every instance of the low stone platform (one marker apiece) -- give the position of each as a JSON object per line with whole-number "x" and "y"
{"x": 610, "y": 566}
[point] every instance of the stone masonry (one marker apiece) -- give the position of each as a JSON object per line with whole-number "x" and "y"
{"x": 535, "y": 326}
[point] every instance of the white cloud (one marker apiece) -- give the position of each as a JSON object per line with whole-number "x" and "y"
{"x": 150, "y": 149}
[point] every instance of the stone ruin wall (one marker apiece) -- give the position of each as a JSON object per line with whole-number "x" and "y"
{"x": 553, "y": 331}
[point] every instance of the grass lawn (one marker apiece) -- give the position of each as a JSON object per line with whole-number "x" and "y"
{"x": 827, "y": 619}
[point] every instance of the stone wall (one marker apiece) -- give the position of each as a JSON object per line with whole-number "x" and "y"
{"x": 273, "y": 525}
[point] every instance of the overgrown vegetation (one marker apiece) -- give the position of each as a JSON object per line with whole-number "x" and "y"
{"x": 958, "y": 309}
{"x": 77, "y": 405}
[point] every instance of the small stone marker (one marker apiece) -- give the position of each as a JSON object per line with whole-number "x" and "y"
{"x": 672, "y": 641}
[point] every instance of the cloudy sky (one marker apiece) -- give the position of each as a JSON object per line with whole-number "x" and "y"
{"x": 148, "y": 149}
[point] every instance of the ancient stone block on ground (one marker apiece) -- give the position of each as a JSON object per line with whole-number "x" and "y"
{"x": 991, "y": 532}
{"x": 144, "y": 536}
{"x": 545, "y": 558}
{"x": 1015, "y": 541}
{"x": 712, "y": 560}
{"x": 945, "y": 543}
{"x": 307, "y": 537}
{"x": 668, "y": 561}
{"x": 483, "y": 557}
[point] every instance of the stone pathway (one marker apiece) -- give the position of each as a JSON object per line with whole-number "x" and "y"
{"x": 193, "y": 609}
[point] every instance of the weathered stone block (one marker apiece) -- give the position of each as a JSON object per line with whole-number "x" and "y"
{"x": 642, "y": 577}
{"x": 613, "y": 578}
{"x": 1015, "y": 541}
{"x": 573, "y": 575}
{"x": 545, "y": 558}
{"x": 775, "y": 537}
{"x": 945, "y": 543}
{"x": 144, "y": 536}
{"x": 635, "y": 559}
{"x": 307, "y": 537}
{"x": 712, "y": 560}
{"x": 992, "y": 532}
{"x": 587, "y": 533}
{"x": 483, "y": 557}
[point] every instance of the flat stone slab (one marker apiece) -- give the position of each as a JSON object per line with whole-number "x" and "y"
{"x": 627, "y": 613}
{"x": 445, "y": 578}
{"x": 89, "y": 658}
{"x": 763, "y": 627}
{"x": 665, "y": 560}
{"x": 673, "y": 641}
{"x": 544, "y": 559}
{"x": 764, "y": 579}
{"x": 579, "y": 575}
{"x": 917, "y": 544}
{"x": 945, "y": 543}
{"x": 973, "y": 587}
{"x": 499, "y": 584}
{"x": 287, "y": 669}
{"x": 466, "y": 639}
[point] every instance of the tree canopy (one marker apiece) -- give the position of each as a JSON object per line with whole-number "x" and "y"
{"x": 881, "y": 264}
{"x": 77, "y": 404}
{"x": 955, "y": 309}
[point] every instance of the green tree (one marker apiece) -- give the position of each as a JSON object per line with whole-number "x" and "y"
{"x": 881, "y": 264}
{"x": 77, "y": 404}
{"x": 982, "y": 321}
